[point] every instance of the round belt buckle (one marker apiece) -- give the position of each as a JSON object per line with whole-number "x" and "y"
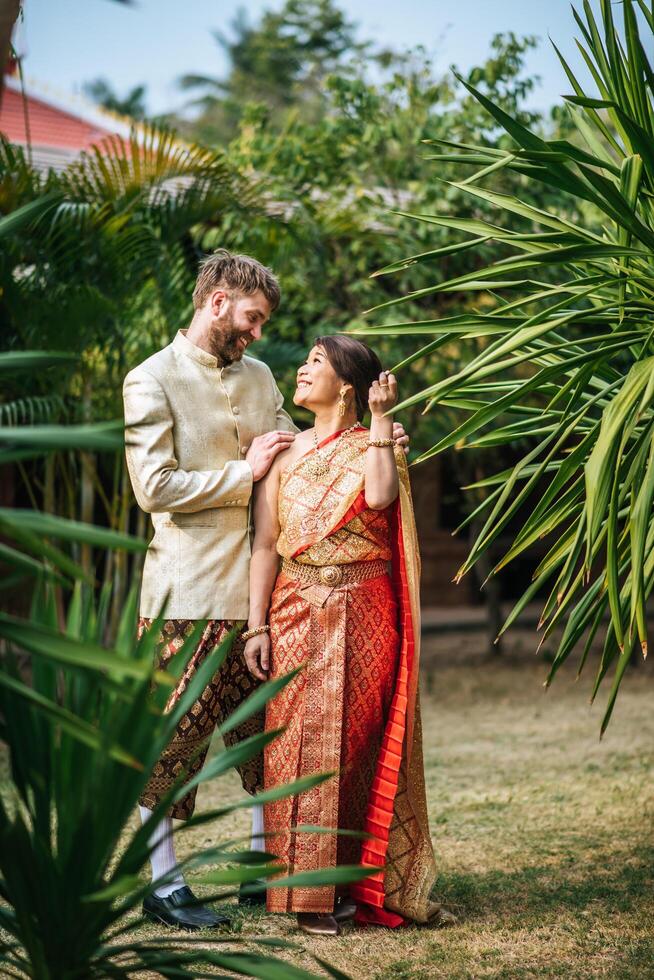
{"x": 331, "y": 575}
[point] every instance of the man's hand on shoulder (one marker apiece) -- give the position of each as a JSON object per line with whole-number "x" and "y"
{"x": 400, "y": 436}
{"x": 264, "y": 449}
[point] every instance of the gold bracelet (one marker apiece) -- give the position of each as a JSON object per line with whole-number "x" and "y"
{"x": 255, "y": 631}
{"x": 381, "y": 443}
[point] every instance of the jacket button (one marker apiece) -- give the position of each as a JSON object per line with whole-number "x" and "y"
{"x": 236, "y": 410}
{"x": 244, "y": 450}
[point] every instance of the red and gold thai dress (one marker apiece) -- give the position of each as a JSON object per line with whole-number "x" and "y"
{"x": 353, "y": 709}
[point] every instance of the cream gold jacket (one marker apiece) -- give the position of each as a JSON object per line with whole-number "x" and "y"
{"x": 188, "y": 424}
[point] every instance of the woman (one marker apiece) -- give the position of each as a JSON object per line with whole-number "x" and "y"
{"x": 336, "y": 507}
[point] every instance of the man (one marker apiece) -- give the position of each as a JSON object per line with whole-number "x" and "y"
{"x": 203, "y": 423}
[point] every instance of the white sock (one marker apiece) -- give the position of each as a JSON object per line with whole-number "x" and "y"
{"x": 257, "y": 841}
{"x": 162, "y": 857}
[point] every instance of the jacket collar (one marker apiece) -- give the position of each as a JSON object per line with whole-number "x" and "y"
{"x": 181, "y": 343}
{"x": 185, "y": 346}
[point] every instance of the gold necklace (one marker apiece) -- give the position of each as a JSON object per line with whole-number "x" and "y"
{"x": 339, "y": 436}
{"x": 317, "y": 466}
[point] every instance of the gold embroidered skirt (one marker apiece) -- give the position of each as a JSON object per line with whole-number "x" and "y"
{"x": 333, "y": 715}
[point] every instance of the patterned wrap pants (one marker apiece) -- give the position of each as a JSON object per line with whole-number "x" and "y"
{"x": 229, "y": 687}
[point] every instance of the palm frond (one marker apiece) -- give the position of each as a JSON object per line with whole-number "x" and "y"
{"x": 583, "y": 357}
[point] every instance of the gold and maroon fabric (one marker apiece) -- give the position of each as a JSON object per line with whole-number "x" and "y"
{"x": 353, "y": 709}
{"x": 333, "y": 715}
{"x": 229, "y": 687}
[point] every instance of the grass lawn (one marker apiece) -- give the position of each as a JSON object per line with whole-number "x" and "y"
{"x": 544, "y": 835}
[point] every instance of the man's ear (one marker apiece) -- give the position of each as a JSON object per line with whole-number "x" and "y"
{"x": 218, "y": 300}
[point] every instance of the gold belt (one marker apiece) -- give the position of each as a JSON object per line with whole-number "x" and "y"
{"x": 356, "y": 571}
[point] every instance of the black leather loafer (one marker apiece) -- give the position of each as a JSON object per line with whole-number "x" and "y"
{"x": 174, "y": 910}
{"x": 345, "y": 909}
{"x": 252, "y": 899}
{"x": 318, "y": 924}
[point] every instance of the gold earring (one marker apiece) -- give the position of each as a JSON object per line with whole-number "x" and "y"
{"x": 341, "y": 403}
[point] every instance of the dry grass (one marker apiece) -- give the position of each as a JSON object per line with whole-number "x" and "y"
{"x": 544, "y": 835}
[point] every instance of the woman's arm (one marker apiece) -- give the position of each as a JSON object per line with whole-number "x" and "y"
{"x": 382, "y": 483}
{"x": 264, "y": 565}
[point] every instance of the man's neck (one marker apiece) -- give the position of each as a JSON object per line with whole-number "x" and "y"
{"x": 199, "y": 334}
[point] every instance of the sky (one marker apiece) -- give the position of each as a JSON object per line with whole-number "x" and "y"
{"x": 68, "y": 42}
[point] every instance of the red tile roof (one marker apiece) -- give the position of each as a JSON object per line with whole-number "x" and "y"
{"x": 48, "y": 125}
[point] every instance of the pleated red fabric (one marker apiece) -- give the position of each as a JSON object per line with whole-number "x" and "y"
{"x": 369, "y": 893}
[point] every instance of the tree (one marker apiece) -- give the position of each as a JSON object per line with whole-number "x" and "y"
{"x": 339, "y": 184}
{"x": 9, "y": 10}
{"x": 566, "y": 353}
{"x": 282, "y": 62}
{"x": 132, "y": 104}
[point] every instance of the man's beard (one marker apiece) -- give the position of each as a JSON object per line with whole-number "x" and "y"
{"x": 225, "y": 339}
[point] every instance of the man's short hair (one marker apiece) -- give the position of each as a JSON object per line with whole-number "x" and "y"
{"x": 224, "y": 270}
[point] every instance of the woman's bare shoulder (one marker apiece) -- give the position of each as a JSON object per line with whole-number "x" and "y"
{"x": 303, "y": 440}
{"x": 301, "y": 444}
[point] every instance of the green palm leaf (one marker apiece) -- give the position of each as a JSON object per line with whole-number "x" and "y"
{"x": 564, "y": 344}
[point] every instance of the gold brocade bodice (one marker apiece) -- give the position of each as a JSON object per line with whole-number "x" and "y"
{"x": 364, "y": 538}
{"x": 315, "y": 495}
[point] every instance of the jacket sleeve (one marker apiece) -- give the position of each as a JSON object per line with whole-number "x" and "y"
{"x": 158, "y": 481}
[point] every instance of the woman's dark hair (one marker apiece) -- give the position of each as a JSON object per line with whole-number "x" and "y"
{"x": 355, "y": 363}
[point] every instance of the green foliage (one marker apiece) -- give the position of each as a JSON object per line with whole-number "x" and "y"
{"x": 83, "y": 736}
{"x": 564, "y": 356}
{"x": 118, "y": 220}
{"x": 83, "y": 725}
{"x": 313, "y": 186}
{"x": 338, "y": 183}
{"x": 282, "y": 61}
{"x": 131, "y": 105}
{"x": 330, "y": 130}
{"x": 98, "y": 261}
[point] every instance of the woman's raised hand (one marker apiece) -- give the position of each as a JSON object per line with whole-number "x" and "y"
{"x": 382, "y": 395}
